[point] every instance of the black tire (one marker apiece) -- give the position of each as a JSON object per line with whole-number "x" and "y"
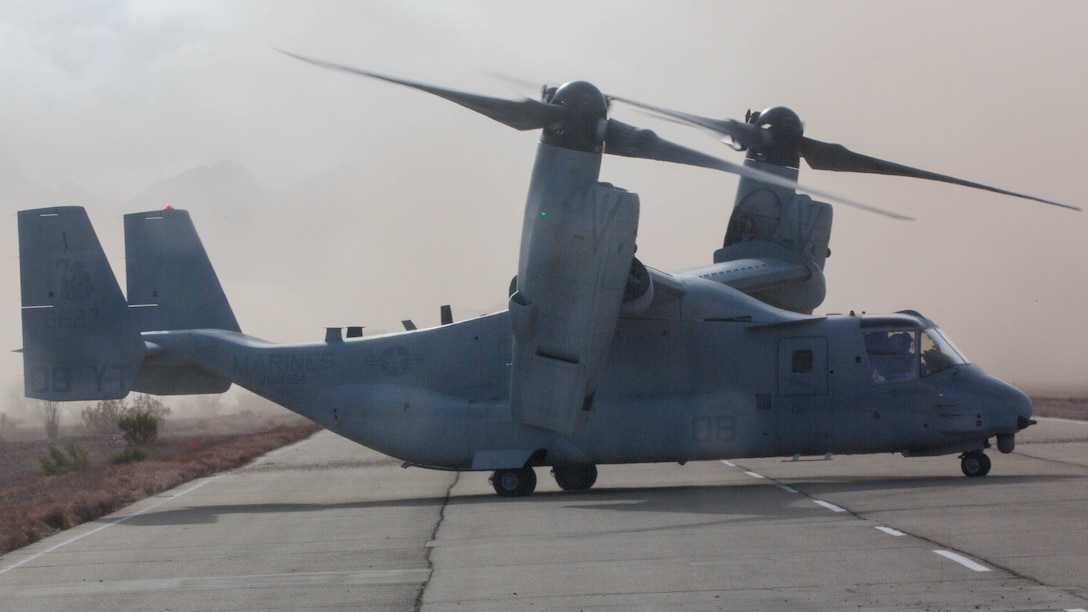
{"x": 975, "y": 464}
{"x": 575, "y": 477}
{"x": 514, "y": 483}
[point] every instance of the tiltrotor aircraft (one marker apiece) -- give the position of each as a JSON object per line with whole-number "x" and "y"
{"x": 599, "y": 359}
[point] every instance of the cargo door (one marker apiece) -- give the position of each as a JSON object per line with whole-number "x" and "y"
{"x": 802, "y": 408}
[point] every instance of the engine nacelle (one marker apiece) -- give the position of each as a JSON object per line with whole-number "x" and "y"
{"x": 794, "y": 225}
{"x": 578, "y": 244}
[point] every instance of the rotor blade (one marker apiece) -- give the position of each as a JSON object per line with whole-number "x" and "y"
{"x": 519, "y": 84}
{"x": 745, "y": 134}
{"x": 629, "y": 141}
{"x": 837, "y": 158}
{"x": 822, "y": 155}
{"x": 527, "y": 114}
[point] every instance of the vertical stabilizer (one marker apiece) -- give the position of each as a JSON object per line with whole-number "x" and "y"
{"x": 171, "y": 282}
{"x": 79, "y": 340}
{"x": 172, "y": 286}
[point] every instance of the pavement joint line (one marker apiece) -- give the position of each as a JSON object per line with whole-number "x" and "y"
{"x": 212, "y": 583}
{"x": 1050, "y": 459}
{"x": 964, "y": 561}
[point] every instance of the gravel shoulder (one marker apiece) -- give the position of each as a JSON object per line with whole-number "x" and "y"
{"x": 36, "y": 505}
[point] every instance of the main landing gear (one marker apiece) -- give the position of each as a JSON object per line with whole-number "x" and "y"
{"x": 521, "y": 482}
{"x": 575, "y": 477}
{"x": 974, "y": 464}
{"x": 514, "y": 483}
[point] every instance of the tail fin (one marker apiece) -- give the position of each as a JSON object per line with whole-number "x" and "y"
{"x": 171, "y": 283}
{"x": 172, "y": 286}
{"x": 79, "y": 340}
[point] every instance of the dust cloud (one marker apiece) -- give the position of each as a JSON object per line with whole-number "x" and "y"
{"x": 330, "y": 200}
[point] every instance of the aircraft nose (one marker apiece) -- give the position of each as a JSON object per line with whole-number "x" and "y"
{"x": 1024, "y": 422}
{"x": 1009, "y": 409}
{"x": 1018, "y": 404}
{"x": 1023, "y": 410}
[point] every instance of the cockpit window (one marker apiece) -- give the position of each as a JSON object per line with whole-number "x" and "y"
{"x": 893, "y": 354}
{"x": 938, "y": 353}
{"x": 897, "y": 355}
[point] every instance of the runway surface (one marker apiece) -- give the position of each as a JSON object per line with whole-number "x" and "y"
{"x": 327, "y": 524}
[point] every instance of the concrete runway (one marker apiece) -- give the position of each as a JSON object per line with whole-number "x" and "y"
{"x": 327, "y": 524}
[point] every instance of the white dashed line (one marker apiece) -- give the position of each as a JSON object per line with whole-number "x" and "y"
{"x": 964, "y": 561}
{"x": 755, "y": 475}
{"x": 890, "y": 531}
{"x": 830, "y": 506}
{"x": 787, "y": 488}
{"x": 728, "y": 463}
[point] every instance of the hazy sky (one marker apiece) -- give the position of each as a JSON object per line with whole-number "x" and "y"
{"x": 380, "y": 203}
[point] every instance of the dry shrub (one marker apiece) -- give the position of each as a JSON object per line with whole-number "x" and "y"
{"x": 72, "y": 459}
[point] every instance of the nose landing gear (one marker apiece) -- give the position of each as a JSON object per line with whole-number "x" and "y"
{"x": 975, "y": 464}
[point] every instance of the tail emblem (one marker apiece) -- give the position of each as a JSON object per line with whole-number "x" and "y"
{"x": 75, "y": 280}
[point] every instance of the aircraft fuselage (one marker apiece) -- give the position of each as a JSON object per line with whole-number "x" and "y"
{"x": 671, "y": 390}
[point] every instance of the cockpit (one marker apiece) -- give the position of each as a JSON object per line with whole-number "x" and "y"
{"x": 903, "y": 348}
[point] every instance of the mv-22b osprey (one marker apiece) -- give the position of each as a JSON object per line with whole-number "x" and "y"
{"x": 599, "y": 359}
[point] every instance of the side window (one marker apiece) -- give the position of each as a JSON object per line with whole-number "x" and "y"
{"x": 893, "y": 355}
{"x": 802, "y": 366}
{"x": 802, "y": 362}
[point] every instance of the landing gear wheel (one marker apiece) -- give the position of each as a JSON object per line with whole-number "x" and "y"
{"x": 514, "y": 483}
{"x": 575, "y": 477}
{"x": 975, "y": 464}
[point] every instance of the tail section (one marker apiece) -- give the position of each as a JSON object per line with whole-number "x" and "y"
{"x": 172, "y": 286}
{"x": 79, "y": 340}
{"x": 171, "y": 283}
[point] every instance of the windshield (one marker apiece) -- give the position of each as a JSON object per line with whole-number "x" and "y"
{"x": 938, "y": 353}
{"x": 897, "y": 355}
